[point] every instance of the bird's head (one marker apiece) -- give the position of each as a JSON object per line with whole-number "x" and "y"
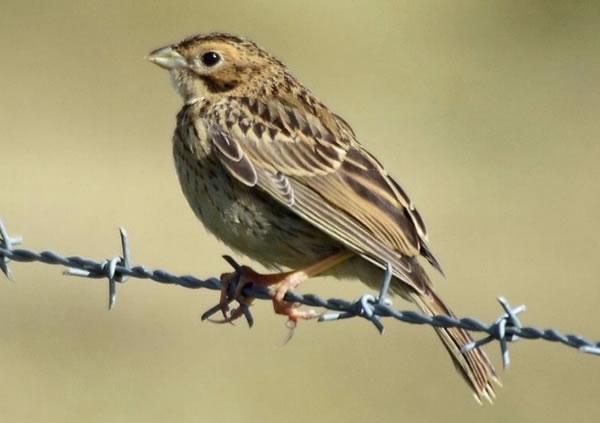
{"x": 215, "y": 64}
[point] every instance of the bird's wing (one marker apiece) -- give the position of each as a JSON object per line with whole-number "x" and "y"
{"x": 310, "y": 162}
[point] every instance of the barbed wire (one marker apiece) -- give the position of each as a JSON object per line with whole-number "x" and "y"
{"x": 505, "y": 329}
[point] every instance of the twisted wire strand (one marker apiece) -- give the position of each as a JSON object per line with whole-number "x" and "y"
{"x": 507, "y": 328}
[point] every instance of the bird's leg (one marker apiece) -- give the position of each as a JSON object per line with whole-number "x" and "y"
{"x": 279, "y": 284}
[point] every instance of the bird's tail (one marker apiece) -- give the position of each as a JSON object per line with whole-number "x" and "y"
{"x": 474, "y": 366}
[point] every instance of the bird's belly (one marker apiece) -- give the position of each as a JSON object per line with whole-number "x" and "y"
{"x": 246, "y": 218}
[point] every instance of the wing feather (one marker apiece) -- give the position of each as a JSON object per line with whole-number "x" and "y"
{"x": 315, "y": 166}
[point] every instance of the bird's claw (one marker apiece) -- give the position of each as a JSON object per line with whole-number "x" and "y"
{"x": 293, "y": 314}
{"x": 232, "y": 286}
{"x": 228, "y": 315}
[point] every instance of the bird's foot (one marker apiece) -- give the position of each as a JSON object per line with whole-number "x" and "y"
{"x": 242, "y": 277}
{"x": 279, "y": 284}
{"x": 288, "y": 308}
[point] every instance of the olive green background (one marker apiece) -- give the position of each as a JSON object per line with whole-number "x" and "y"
{"x": 485, "y": 111}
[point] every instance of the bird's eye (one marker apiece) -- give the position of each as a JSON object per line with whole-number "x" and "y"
{"x": 210, "y": 58}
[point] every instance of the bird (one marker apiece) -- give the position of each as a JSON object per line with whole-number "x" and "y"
{"x": 277, "y": 176}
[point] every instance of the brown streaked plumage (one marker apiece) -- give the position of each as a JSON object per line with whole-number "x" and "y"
{"x": 277, "y": 176}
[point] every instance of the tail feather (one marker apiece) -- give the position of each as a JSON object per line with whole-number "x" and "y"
{"x": 474, "y": 366}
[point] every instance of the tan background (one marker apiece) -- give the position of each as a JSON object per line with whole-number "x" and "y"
{"x": 487, "y": 112}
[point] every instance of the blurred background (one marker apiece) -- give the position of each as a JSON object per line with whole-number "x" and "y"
{"x": 486, "y": 112}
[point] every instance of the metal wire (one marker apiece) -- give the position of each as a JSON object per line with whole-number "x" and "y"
{"x": 507, "y": 328}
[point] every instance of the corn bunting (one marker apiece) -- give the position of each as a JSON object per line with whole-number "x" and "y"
{"x": 280, "y": 178}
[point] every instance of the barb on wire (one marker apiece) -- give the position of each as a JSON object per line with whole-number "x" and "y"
{"x": 365, "y": 305}
{"x": 7, "y": 242}
{"x": 507, "y": 328}
{"x": 108, "y": 268}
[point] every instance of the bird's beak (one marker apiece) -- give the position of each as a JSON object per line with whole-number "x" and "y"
{"x": 167, "y": 58}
